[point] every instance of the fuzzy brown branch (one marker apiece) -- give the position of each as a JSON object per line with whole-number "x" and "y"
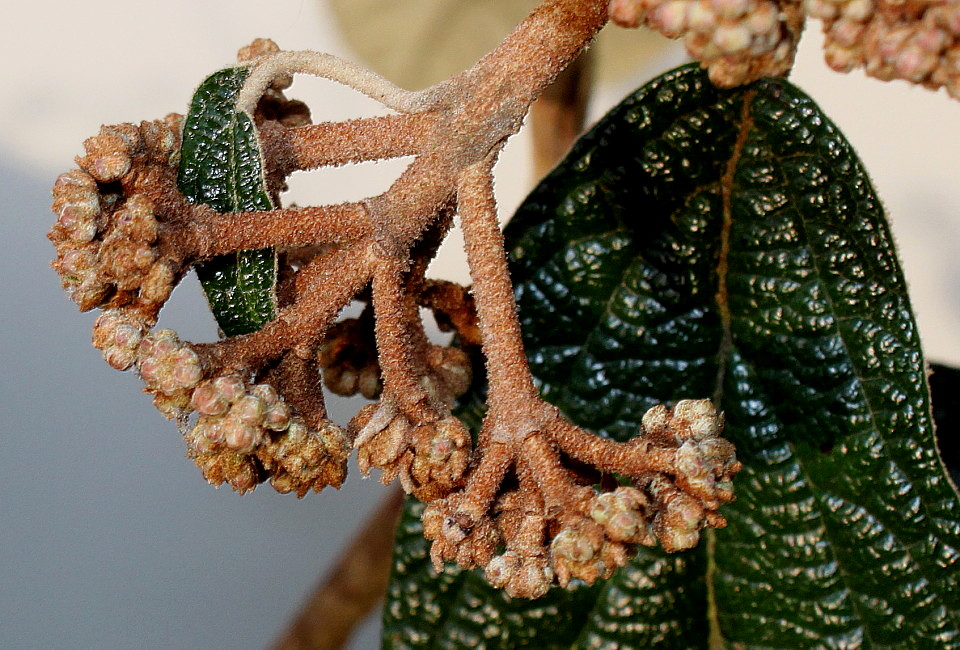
{"x": 250, "y": 405}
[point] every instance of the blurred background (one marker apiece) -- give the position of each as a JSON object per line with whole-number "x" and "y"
{"x": 109, "y": 537}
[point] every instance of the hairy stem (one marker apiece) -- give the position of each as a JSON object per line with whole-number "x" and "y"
{"x": 510, "y": 381}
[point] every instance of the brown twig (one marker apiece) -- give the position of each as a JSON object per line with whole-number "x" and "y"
{"x": 352, "y": 588}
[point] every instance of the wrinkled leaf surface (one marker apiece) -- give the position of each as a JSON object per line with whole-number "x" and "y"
{"x": 221, "y": 166}
{"x": 728, "y": 244}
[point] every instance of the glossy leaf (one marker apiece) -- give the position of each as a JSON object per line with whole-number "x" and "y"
{"x": 221, "y": 166}
{"x": 727, "y": 243}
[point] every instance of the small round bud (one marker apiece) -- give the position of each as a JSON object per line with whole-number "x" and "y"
{"x": 230, "y": 387}
{"x": 119, "y": 358}
{"x": 267, "y": 393}
{"x": 731, "y": 38}
{"x": 277, "y": 417}
{"x": 249, "y": 409}
{"x": 207, "y": 400}
{"x": 239, "y": 436}
{"x": 110, "y": 167}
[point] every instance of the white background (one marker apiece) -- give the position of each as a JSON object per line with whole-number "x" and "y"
{"x": 109, "y": 538}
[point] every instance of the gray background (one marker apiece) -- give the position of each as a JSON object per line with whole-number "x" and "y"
{"x": 109, "y": 537}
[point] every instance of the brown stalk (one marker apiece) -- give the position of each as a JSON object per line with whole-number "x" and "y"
{"x": 352, "y": 588}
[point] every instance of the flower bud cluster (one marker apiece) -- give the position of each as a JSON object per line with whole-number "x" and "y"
{"x": 170, "y": 369}
{"x": 917, "y": 41}
{"x": 243, "y": 434}
{"x": 429, "y": 458}
{"x": 236, "y": 418}
{"x": 348, "y": 357}
{"x": 106, "y": 233}
{"x": 118, "y": 337}
{"x": 705, "y": 463}
{"x": 451, "y": 373}
{"x": 458, "y": 537}
{"x": 301, "y": 459}
{"x": 586, "y": 534}
{"x": 246, "y": 433}
{"x": 521, "y": 576}
{"x": 738, "y": 40}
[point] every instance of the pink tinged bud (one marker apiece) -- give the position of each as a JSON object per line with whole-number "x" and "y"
{"x": 110, "y": 167}
{"x": 932, "y": 40}
{"x": 626, "y": 13}
{"x": 104, "y": 329}
{"x": 249, "y": 409}
{"x": 144, "y": 257}
{"x": 846, "y": 32}
{"x": 150, "y": 370}
{"x": 892, "y": 43}
{"x": 913, "y": 64}
{"x": 730, "y": 9}
{"x": 731, "y": 38}
{"x": 670, "y": 18}
{"x": 267, "y": 393}
{"x": 126, "y": 336}
{"x": 80, "y": 224}
{"x": 213, "y": 432}
{"x": 240, "y": 436}
{"x": 186, "y": 376}
{"x": 441, "y": 447}
{"x": 76, "y": 177}
{"x": 165, "y": 342}
{"x": 277, "y": 417}
{"x": 168, "y": 383}
{"x": 184, "y": 356}
{"x": 208, "y": 401}
{"x": 231, "y": 387}
{"x": 119, "y": 358}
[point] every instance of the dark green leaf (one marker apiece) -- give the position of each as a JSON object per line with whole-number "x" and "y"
{"x": 727, "y": 243}
{"x": 221, "y": 166}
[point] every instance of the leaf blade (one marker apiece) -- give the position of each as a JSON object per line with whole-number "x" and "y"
{"x": 704, "y": 242}
{"x": 221, "y": 166}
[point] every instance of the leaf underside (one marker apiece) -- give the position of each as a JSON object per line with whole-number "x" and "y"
{"x": 221, "y": 166}
{"x": 726, "y": 243}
